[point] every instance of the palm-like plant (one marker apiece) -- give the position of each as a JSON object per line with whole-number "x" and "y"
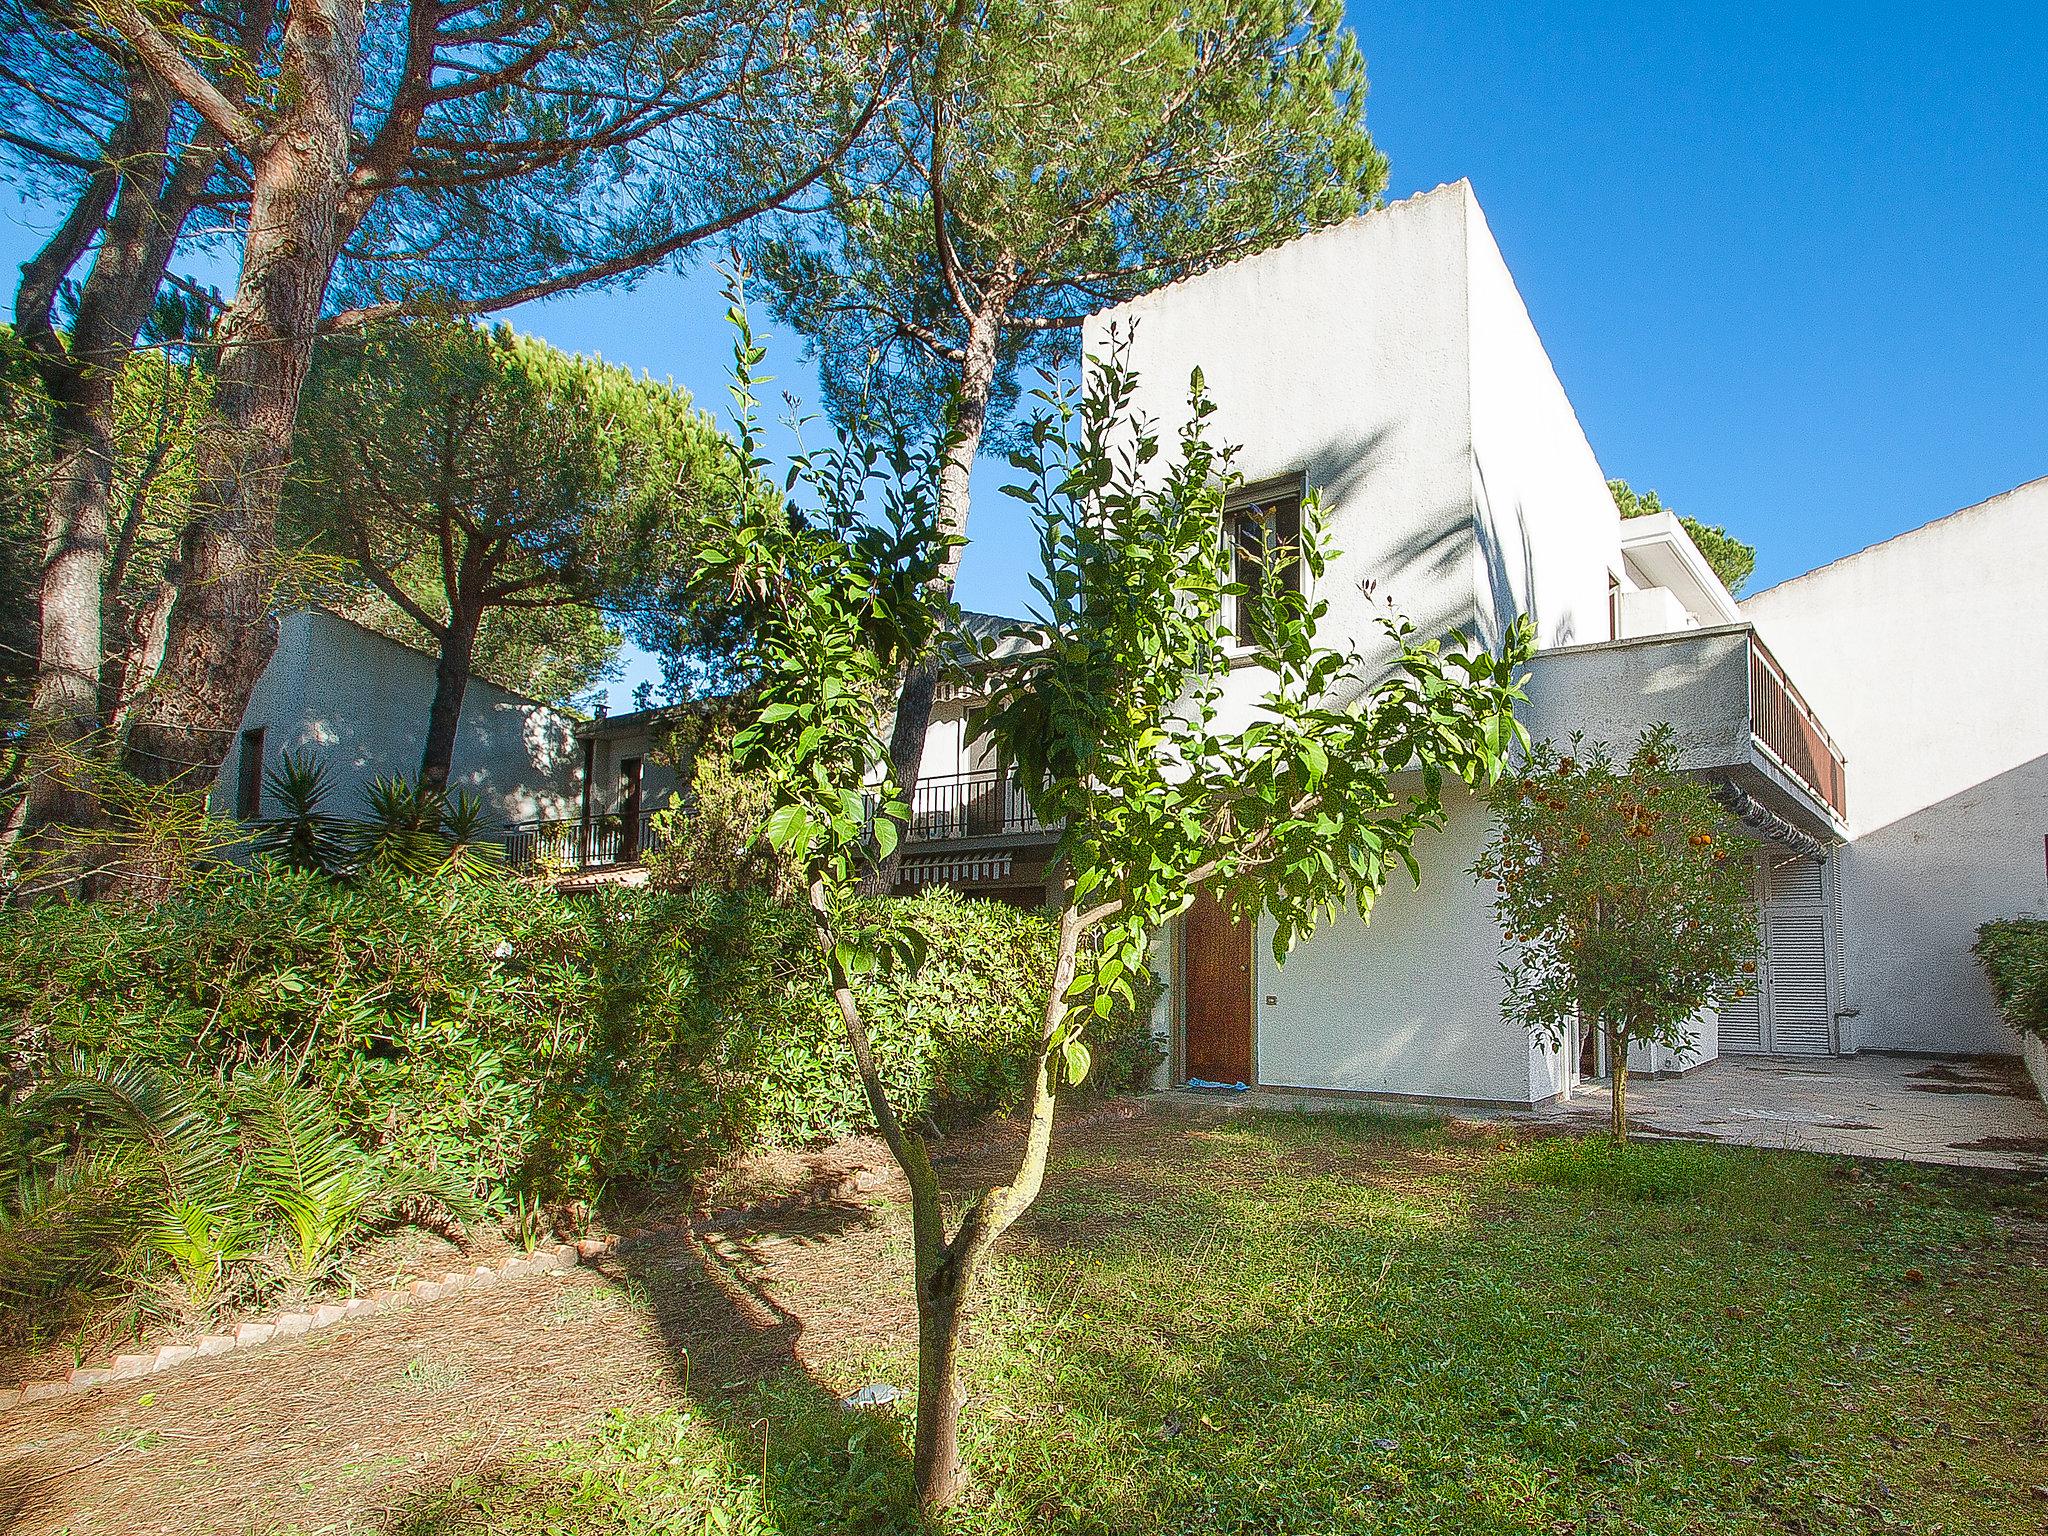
{"x": 203, "y": 1241}
{"x": 302, "y": 836}
{"x": 473, "y": 854}
{"x": 402, "y": 835}
{"x": 323, "y": 1185}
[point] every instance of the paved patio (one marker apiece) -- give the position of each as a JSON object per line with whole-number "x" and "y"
{"x": 1973, "y": 1112}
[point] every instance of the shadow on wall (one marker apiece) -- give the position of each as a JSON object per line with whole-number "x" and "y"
{"x": 1507, "y": 601}
{"x": 1914, "y": 893}
{"x": 1422, "y": 571}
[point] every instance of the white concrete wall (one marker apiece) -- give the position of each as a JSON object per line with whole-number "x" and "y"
{"x": 1548, "y": 533}
{"x": 1411, "y": 1003}
{"x": 1341, "y": 357}
{"x": 358, "y": 703}
{"x": 1927, "y": 659}
{"x": 2036, "y": 1056}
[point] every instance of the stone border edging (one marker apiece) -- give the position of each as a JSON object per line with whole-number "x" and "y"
{"x": 550, "y": 1260}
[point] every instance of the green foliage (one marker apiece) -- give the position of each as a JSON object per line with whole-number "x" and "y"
{"x": 2014, "y": 954}
{"x": 411, "y": 831}
{"x": 1044, "y": 161}
{"x": 1113, "y": 725}
{"x": 1732, "y": 560}
{"x": 499, "y": 1037}
{"x": 474, "y": 475}
{"x": 1624, "y": 893}
{"x": 711, "y": 837}
{"x": 843, "y": 578}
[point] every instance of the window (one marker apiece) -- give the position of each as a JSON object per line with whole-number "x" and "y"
{"x": 249, "y": 776}
{"x": 1264, "y": 529}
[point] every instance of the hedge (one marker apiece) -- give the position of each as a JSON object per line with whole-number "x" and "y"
{"x": 547, "y": 1043}
{"x": 2014, "y": 954}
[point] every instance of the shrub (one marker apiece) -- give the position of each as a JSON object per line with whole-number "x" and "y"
{"x": 522, "y": 1039}
{"x": 2014, "y": 954}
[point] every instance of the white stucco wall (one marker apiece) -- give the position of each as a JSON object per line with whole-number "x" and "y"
{"x": 1548, "y": 533}
{"x": 358, "y": 702}
{"x": 1410, "y": 1003}
{"x": 1927, "y": 658}
{"x": 1340, "y": 357}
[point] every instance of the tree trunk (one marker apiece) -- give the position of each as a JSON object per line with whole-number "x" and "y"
{"x": 956, "y": 468}
{"x": 451, "y": 679}
{"x": 945, "y": 1268}
{"x": 1617, "y": 1069}
{"x": 222, "y": 630}
{"x": 138, "y": 216}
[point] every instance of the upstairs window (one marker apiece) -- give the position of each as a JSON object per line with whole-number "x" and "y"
{"x": 1264, "y": 530}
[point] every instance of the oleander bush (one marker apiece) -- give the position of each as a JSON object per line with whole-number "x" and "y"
{"x": 2014, "y": 954}
{"x": 445, "y": 1041}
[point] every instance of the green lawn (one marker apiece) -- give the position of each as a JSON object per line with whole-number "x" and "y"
{"x": 1364, "y": 1323}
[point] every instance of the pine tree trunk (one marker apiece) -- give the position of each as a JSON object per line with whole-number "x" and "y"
{"x": 919, "y": 692}
{"x": 144, "y": 214}
{"x": 222, "y": 628}
{"x": 451, "y": 680}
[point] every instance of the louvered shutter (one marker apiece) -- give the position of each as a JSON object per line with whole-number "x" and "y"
{"x": 1742, "y": 1018}
{"x": 1801, "y": 1022}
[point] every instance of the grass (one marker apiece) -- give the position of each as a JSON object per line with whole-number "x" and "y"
{"x": 1273, "y": 1323}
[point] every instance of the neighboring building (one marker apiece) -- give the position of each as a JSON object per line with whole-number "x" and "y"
{"x": 1928, "y": 657}
{"x": 357, "y": 702}
{"x": 1388, "y": 364}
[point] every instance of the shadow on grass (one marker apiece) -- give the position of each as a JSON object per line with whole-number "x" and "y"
{"x": 750, "y": 1438}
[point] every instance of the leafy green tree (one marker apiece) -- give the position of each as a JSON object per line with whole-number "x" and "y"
{"x": 365, "y": 160}
{"x": 496, "y": 491}
{"x": 1732, "y": 560}
{"x": 1043, "y": 161}
{"x": 1112, "y": 729}
{"x": 1626, "y": 897}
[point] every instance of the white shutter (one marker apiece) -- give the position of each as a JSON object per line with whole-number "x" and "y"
{"x": 1742, "y": 1018}
{"x": 1796, "y": 960}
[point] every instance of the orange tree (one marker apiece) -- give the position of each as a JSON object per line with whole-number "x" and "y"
{"x": 1112, "y": 725}
{"x": 1625, "y": 903}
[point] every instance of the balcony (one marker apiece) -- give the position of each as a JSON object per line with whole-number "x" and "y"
{"x": 571, "y": 844}
{"x": 958, "y": 806}
{"x": 1736, "y": 715}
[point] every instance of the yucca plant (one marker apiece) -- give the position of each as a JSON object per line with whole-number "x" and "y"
{"x": 302, "y": 836}
{"x": 402, "y": 835}
{"x": 473, "y": 854}
{"x": 323, "y": 1185}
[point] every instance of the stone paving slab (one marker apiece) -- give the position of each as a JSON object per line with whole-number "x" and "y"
{"x": 1966, "y": 1112}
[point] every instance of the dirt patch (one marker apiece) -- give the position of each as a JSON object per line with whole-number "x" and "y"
{"x": 2029, "y": 1145}
{"x": 797, "y": 1269}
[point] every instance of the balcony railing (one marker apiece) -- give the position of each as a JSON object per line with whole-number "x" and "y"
{"x": 970, "y": 805}
{"x": 1786, "y": 724}
{"x": 573, "y": 844}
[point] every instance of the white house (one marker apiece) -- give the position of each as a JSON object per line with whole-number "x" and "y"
{"x": 357, "y": 701}
{"x": 1928, "y": 657}
{"x": 1388, "y": 363}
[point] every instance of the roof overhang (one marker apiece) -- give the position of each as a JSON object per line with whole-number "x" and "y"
{"x": 1660, "y": 553}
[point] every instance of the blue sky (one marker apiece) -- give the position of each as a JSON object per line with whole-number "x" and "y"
{"x": 1791, "y": 262}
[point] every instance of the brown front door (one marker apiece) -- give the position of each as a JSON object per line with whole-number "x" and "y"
{"x": 1219, "y": 994}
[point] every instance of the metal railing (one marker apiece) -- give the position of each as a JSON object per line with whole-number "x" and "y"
{"x": 970, "y": 805}
{"x": 1784, "y": 722}
{"x": 571, "y": 843}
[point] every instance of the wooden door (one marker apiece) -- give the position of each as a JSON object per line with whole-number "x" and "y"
{"x": 1218, "y": 1020}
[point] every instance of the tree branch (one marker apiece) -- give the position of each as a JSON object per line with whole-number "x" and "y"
{"x": 168, "y": 63}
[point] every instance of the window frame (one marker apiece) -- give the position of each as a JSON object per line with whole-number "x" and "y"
{"x": 1279, "y": 500}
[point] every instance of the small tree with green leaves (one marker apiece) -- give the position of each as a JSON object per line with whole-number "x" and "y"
{"x": 1112, "y": 728}
{"x": 1624, "y": 896}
